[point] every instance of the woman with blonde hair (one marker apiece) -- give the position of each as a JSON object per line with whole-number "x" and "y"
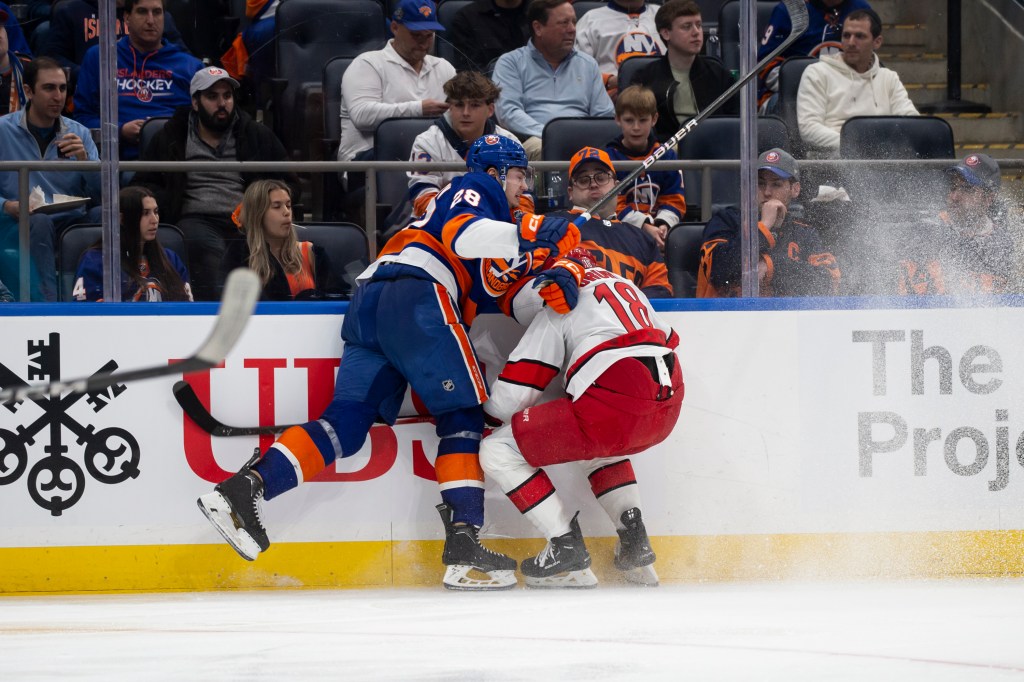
{"x": 287, "y": 268}
{"x": 149, "y": 270}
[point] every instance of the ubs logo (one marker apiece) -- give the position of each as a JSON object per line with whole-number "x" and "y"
{"x": 56, "y": 482}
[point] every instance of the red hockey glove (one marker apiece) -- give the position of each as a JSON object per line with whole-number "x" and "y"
{"x": 546, "y": 236}
{"x": 559, "y": 285}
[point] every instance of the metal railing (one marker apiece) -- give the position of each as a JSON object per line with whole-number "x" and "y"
{"x": 372, "y": 168}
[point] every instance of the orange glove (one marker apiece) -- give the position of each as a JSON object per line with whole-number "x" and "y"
{"x": 559, "y": 285}
{"x": 546, "y": 236}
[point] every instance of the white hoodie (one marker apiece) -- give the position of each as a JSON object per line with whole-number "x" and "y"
{"x": 831, "y": 92}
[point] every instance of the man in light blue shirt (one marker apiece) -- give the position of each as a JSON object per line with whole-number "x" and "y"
{"x": 36, "y": 133}
{"x": 548, "y": 78}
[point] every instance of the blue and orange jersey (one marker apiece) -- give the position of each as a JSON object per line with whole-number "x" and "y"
{"x": 467, "y": 243}
{"x": 943, "y": 258}
{"x": 658, "y": 194}
{"x": 626, "y": 251}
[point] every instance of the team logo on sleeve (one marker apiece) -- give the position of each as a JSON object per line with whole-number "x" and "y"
{"x": 499, "y": 274}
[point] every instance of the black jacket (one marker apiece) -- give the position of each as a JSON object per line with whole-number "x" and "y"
{"x": 237, "y": 256}
{"x": 254, "y": 142}
{"x": 708, "y": 78}
{"x": 482, "y": 32}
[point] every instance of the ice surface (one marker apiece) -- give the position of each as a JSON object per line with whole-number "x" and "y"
{"x": 935, "y": 631}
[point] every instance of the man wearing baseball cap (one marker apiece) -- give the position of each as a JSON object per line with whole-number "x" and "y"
{"x": 401, "y": 80}
{"x": 201, "y": 203}
{"x": 793, "y": 260}
{"x": 618, "y": 247}
{"x": 968, "y": 249}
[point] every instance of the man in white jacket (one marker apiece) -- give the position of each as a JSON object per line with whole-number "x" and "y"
{"x": 853, "y": 83}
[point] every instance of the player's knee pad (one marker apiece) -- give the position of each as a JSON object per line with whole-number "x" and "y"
{"x": 498, "y": 452}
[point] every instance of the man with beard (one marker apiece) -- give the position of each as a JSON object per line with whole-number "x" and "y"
{"x": 968, "y": 248}
{"x": 201, "y": 202}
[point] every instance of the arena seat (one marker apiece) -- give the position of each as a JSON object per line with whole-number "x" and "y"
{"x": 446, "y": 11}
{"x": 393, "y": 142}
{"x": 790, "y": 73}
{"x": 74, "y": 241}
{"x": 896, "y": 137}
{"x": 719, "y": 138}
{"x": 682, "y": 257}
{"x": 346, "y": 244}
{"x": 310, "y": 33}
{"x": 629, "y": 68}
{"x": 149, "y": 130}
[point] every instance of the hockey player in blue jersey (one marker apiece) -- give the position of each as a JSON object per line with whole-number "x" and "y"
{"x": 408, "y": 324}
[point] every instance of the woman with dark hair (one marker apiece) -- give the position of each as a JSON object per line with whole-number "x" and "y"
{"x": 149, "y": 272}
{"x": 288, "y": 269}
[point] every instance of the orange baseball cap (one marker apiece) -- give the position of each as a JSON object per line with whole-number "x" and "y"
{"x": 590, "y": 154}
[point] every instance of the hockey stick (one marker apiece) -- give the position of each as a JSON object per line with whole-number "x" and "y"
{"x": 240, "y": 293}
{"x": 197, "y": 412}
{"x": 798, "y": 15}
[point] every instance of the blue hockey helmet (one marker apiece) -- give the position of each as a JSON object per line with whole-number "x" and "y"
{"x": 498, "y": 152}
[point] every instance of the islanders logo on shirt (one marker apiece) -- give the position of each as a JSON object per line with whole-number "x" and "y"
{"x": 636, "y": 44}
{"x": 497, "y": 275}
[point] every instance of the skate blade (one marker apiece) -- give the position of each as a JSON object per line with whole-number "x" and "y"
{"x": 572, "y": 580}
{"x": 645, "y": 576}
{"x": 218, "y": 511}
{"x": 469, "y": 579}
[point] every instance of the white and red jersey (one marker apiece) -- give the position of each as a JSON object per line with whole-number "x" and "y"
{"x": 611, "y": 35}
{"x": 613, "y": 319}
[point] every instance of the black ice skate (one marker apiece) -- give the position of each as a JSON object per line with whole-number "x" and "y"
{"x": 633, "y": 553}
{"x": 565, "y": 562}
{"x": 468, "y": 561}
{"x": 234, "y": 509}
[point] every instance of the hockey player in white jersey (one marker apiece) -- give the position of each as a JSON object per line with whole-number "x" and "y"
{"x": 624, "y": 392}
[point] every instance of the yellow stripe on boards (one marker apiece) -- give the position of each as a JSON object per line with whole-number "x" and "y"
{"x": 145, "y": 568}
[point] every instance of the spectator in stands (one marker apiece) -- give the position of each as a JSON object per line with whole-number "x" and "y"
{"x": 793, "y": 261}
{"x": 548, "y": 78}
{"x": 616, "y": 32}
{"x": 213, "y": 128}
{"x": 149, "y": 271}
{"x": 74, "y": 28}
{"x": 403, "y": 79}
{"x": 288, "y": 269}
{"x": 12, "y": 69}
{"x": 853, "y": 83}
{"x": 258, "y": 37}
{"x": 152, "y": 76}
{"x": 15, "y": 36}
{"x": 470, "y": 96}
{"x": 655, "y": 201}
{"x": 487, "y": 29}
{"x": 821, "y": 37}
{"x": 684, "y": 82}
{"x": 968, "y": 248}
{"x": 617, "y": 247}
{"x": 39, "y": 132}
